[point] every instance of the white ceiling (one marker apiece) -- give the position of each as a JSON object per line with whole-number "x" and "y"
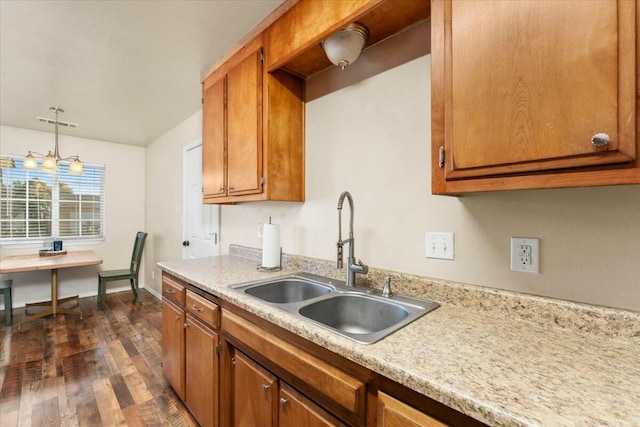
{"x": 125, "y": 71}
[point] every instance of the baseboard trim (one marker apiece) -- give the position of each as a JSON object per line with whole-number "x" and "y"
{"x": 152, "y": 291}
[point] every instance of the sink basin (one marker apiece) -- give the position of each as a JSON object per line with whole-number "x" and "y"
{"x": 358, "y": 313}
{"x": 288, "y": 291}
{"x": 355, "y": 314}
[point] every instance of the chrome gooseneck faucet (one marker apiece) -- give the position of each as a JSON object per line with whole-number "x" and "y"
{"x": 353, "y": 266}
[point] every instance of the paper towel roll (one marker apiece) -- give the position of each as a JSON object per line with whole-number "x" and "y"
{"x": 270, "y": 246}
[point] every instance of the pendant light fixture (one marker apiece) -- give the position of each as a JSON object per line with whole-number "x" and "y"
{"x": 50, "y": 161}
{"x": 344, "y": 47}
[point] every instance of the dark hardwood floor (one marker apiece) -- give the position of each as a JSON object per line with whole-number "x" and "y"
{"x": 102, "y": 370}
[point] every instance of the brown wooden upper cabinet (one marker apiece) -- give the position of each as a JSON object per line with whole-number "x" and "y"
{"x": 533, "y": 94}
{"x": 253, "y": 136}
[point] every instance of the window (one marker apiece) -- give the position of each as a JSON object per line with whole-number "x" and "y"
{"x": 36, "y": 205}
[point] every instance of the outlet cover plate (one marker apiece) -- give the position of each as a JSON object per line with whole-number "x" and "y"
{"x": 439, "y": 245}
{"x": 525, "y": 254}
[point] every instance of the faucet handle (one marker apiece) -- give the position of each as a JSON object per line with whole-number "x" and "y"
{"x": 386, "y": 290}
{"x": 364, "y": 269}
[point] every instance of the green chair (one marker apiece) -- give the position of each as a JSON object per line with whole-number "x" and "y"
{"x": 131, "y": 273}
{"x": 5, "y": 288}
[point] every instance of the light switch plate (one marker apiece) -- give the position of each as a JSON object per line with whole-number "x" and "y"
{"x": 525, "y": 254}
{"x": 439, "y": 245}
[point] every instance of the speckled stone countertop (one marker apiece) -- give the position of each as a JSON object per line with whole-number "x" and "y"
{"x": 503, "y": 358}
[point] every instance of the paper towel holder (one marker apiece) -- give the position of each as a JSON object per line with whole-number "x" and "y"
{"x": 270, "y": 269}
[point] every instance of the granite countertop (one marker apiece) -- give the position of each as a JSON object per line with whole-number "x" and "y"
{"x": 502, "y": 369}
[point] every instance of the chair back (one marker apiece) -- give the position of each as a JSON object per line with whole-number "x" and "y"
{"x": 141, "y": 236}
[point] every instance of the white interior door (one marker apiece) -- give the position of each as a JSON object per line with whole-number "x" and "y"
{"x": 201, "y": 223}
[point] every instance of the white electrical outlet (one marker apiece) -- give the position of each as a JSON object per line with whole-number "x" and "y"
{"x": 439, "y": 245}
{"x": 525, "y": 254}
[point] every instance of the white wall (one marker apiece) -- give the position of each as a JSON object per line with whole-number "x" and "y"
{"x": 164, "y": 196}
{"x": 124, "y": 210}
{"x": 372, "y": 138}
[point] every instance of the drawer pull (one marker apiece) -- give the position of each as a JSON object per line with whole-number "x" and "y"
{"x": 170, "y": 290}
{"x": 283, "y": 401}
{"x": 266, "y": 387}
{"x": 198, "y": 309}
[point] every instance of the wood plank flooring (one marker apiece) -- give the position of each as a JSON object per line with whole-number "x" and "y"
{"x": 103, "y": 370}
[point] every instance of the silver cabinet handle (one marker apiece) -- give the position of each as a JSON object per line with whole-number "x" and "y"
{"x": 283, "y": 401}
{"x": 266, "y": 387}
{"x": 198, "y": 309}
{"x": 170, "y": 291}
{"x": 600, "y": 139}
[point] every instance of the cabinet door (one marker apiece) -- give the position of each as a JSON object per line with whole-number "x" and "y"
{"x": 244, "y": 139}
{"x": 517, "y": 90}
{"x": 394, "y": 413}
{"x": 255, "y": 391}
{"x": 201, "y": 372}
{"x": 295, "y": 410}
{"x": 214, "y": 172}
{"x": 173, "y": 319}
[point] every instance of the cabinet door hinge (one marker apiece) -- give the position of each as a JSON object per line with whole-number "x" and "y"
{"x": 233, "y": 361}
{"x": 218, "y": 348}
{"x": 441, "y": 157}
{"x": 262, "y": 56}
{"x": 202, "y": 99}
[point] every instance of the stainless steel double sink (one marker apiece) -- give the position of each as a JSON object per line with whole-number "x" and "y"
{"x": 360, "y": 314}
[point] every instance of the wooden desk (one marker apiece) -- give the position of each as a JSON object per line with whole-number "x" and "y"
{"x": 22, "y": 263}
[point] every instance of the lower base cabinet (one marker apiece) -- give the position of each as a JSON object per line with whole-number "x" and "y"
{"x": 260, "y": 399}
{"x": 297, "y": 410}
{"x": 201, "y": 372}
{"x": 394, "y": 413}
{"x": 173, "y": 318}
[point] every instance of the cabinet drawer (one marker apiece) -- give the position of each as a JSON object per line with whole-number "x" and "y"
{"x": 173, "y": 288}
{"x": 343, "y": 389}
{"x": 203, "y": 309}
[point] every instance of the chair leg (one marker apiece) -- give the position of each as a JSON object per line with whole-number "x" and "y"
{"x": 136, "y": 291}
{"x": 8, "y": 307}
{"x": 102, "y": 290}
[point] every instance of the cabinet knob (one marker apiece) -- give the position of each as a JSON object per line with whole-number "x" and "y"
{"x": 283, "y": 401}
{"x": 230, "y": 188}
{"x": 600, "y": 139}
{"x": 196, "y": 308}
{"x": 177, "y": 316}
{"x": 185, "y": 243}
{"x": 266, "y": 387}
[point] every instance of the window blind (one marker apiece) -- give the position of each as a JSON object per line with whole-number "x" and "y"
{"x": 39, "y": 205}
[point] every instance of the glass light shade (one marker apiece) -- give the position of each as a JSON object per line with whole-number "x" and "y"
{"x": 49, "y": 163}
{"x": 29, "y": 162}
{"x": 344, "y": 47}
{"x": 76, "y": 167}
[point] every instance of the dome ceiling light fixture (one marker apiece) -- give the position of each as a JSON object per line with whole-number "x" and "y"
{"x": 344, "y": 47}
{"x": 50, "y": 161}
